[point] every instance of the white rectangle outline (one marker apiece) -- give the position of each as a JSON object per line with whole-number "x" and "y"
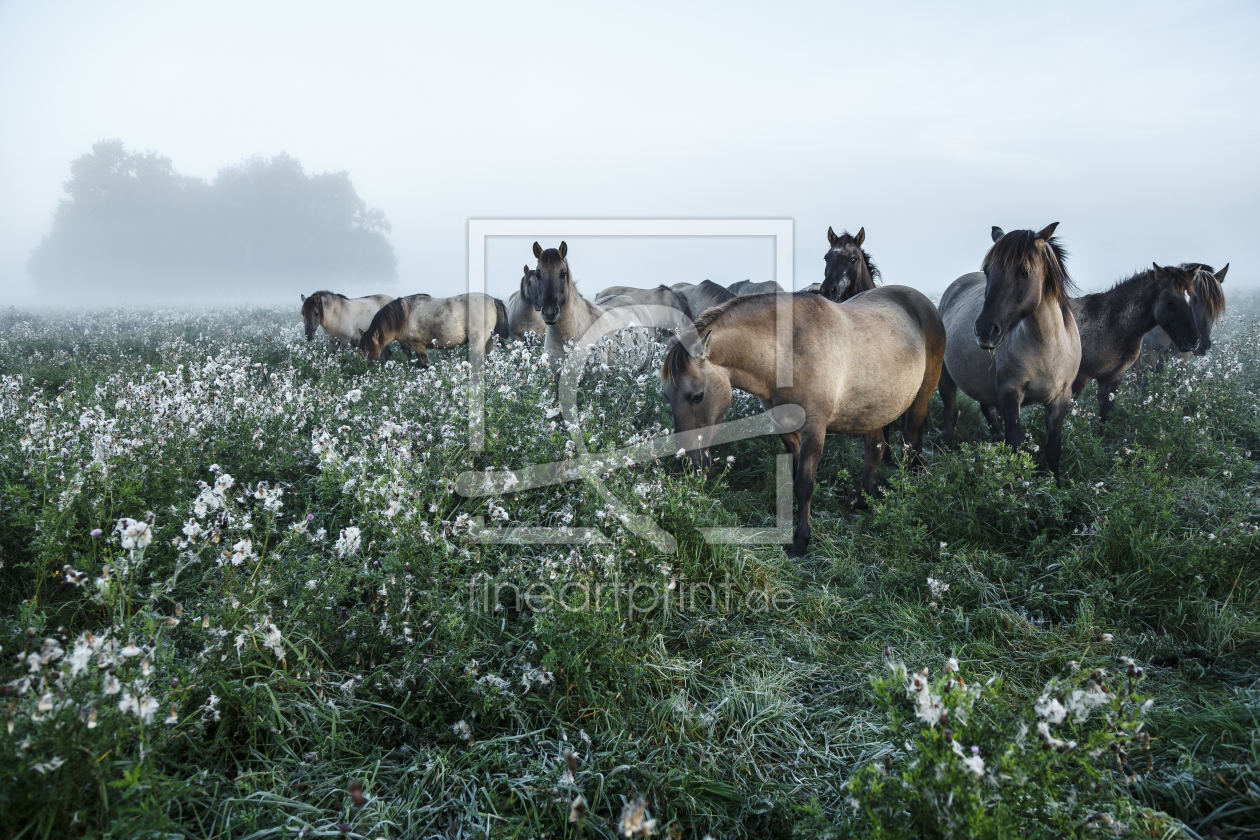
{"x": 782, "y": 230}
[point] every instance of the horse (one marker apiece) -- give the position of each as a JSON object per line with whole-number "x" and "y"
{"x": 569, "y": 316}
{"x": 660, "y": 296}
{"x": 748, "y": 287}
{"x": 343, "y": 318}
{"x": 522, "y": 314}
{"x": 422, "y": 321}
{"x": 1113, "y": 323}
{"x": 1207, "y": 298}
{"x": 1012, "y": 336}
{"x": 849, "y": 270}
{"x": 702, "y": 296}
{"x": 856, "y": 368}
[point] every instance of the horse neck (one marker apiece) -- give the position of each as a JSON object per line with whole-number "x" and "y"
{"x": 1049, "y": 321}
{"x": 576, "y": 316}
{"x": 1129, "y": 309}
{"x": 744, "y": 348}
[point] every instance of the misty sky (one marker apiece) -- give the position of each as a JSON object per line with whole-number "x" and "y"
{"x": 1135, "y": 126}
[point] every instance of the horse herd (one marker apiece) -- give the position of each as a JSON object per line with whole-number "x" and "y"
{"x": 863, "y": 354}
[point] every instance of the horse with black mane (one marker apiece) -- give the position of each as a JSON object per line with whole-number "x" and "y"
{"x": 1013, "y": 338}
{"x": 1113, "y": 323}
{"x": 522, "y": 311}
{"x": 855, "y": 368}
{"x": 421, "y": 321}
{"x": 850, "y": 270}
{"x": 1207, "y": 299}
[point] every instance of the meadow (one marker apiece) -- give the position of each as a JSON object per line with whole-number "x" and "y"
{"x": 240, "y": 598}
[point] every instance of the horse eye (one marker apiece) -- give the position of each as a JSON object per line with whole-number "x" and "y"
{"x": 697, "y": 397}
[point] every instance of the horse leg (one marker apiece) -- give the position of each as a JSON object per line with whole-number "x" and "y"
{"x": 422, "y": 356}
{"x": 874, "y": 456}
{"x": 811, "y": 447}
{"x": 916, "y": 419}
{"x": 887, "y": 433}
{"x": 949, "y": 398}
{"x": 991, "y": 417}
{"x": 387, "y": 353}
{"x": 1107, "y": 398}
{"x": 792, "y": 444}
{"x": 1055, "y": 412}
{"x": 1009, "y": 402}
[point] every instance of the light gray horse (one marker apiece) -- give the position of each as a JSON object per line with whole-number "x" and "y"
{"x": 343, "y": 318}
{"x": 856, "y": 368}
{"x": 421, "y": 322}
{"x": 1012, "y": 337}
{"x": 522, "y": 312}
{"x": 660, "y": 296}
{"x": 702, "y": 296}
{"x": 1207, "y": 298}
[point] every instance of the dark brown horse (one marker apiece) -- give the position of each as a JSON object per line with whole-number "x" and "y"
{"x": 1012, "y": 336}
{"x": 849, "y": 270}
{"x": 1207, "y": 298}
{"x": 856, "y": 368}
{"x": 702, "y": 296}
{"x": 1112, "y": 324}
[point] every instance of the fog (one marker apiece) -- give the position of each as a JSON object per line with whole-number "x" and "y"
{"x": 1133, "y": 125}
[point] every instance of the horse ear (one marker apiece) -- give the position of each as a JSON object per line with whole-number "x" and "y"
{"x": 1163, "y": 275}
{"x": 706, "y": 344}
{"x": 537, "y": 250}
{"x": 1048, "y": 231}
{"x": 860, "y": 238}
{"x": 832, "y": 239}
{"x": 1220, "y": 275}
{"x": 525, "y": 268}
{"x": 997, "y": 233}
{"x": 564, "y": 249}
{"x": 303, "y": 298}
{"x": 1191, "y": 276}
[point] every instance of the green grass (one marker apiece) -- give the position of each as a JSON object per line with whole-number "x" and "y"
{"x": 454, "y": 713}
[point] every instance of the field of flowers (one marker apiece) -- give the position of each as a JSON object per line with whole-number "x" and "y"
{"x": 240, "y": 598}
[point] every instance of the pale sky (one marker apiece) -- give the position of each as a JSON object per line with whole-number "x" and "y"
{"x": 1135, "y": 126}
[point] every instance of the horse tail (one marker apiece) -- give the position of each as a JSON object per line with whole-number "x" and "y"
{"x": 501, "y": 320}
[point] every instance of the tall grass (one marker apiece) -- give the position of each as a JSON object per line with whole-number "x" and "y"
{"x": 297, "y": 636}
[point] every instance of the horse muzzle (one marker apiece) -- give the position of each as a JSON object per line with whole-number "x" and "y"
{"x": 1202, "y": 348}
{"x": 550, "y": 317}
{"x": 988, "y": 337}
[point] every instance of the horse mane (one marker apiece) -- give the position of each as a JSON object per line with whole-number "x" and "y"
{"x": 1018, "y": 249}
{"x": 677, "y": 357}
{"x": 1207, "y": 289}
{"x": 392, "y": 316}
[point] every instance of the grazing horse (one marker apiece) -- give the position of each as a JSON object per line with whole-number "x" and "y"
{"x": 660, "y": 296}
{"x": 421, "y": 322}
{"x": 343, "y": 318}
{"x": 748, "y": 287}
{"x": 522, "y": 312}
{"x": 849, "y": 269}
{"x": 1112, "y": 324}
{"x": 855, "y": 368}
{"x": 1207, "y": 298}
{"x": 1012, "y": 337}
{"x": 703, "y": 296}
{"x": 569, "y": 316}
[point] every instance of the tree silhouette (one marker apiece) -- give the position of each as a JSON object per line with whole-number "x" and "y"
{"x": 132, "y": 228}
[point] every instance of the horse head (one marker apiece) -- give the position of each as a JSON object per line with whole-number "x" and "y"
{"x": 553, "y": 279}
{"x": 312, "y": 313}
{"x": 1208, "y": 301}
{"x": 1023, "y": 270}
{"x": 848, "y": 268}
{"x": 1173, "y": 311}
{"x": 699, "y": 393}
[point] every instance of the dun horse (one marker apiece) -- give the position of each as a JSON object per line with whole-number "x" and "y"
{"x": 1207, "y": 298}
{"x": 1112, "y": 324}
{"x": 522, "y": 313}
{"x": 343, "y": 318}
{"x": 703, "y": 296}
{"x": 856, "y": 368}
{"x": 1012, "y": 337}
{"x": 849, "y": 270}
{"x": 421, "y": 322}
{"x": 569, "y": 316}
